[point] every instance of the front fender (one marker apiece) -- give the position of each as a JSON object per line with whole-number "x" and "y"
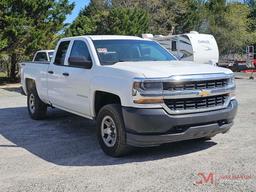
{"x": 115, "y": 85}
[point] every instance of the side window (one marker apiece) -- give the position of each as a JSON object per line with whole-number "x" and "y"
{"x": 79, "y": 50}
{"x": 174, "y": 45}
{"x": 41, "y": 56}
{"x": 61, "y": 53}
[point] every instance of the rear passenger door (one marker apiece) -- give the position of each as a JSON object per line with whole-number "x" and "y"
{"x": 57, "y": 82}
{"x": 77, "y": 78}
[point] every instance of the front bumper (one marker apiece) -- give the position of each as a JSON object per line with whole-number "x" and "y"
{"x": 152, "y": 127}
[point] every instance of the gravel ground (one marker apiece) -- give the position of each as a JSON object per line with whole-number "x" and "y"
{"x": 61, "y": 154}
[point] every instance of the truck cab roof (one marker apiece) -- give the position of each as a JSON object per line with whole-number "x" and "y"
{"x": 105, "y": 37}
{"x": 48, "y": 50}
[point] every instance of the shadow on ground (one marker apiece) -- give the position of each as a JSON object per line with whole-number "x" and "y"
{"x": 13, "y": 89}
{"x": 7, "y": 80}
{"x": 69, "y": 140}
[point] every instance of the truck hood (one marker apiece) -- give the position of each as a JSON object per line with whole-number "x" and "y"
{"x": 153, "y": 69}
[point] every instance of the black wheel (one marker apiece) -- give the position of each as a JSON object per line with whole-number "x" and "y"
{"x": 36, "y": 108}
{"x": 111, "y": 131}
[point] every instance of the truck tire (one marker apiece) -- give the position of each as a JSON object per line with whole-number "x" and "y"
{"x": 111, "y": 131}
{"x": 36, "y": 107}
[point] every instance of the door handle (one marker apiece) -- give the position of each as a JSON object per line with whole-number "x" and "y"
{"x": 65, "y": 74}
{"x": 50, "y": 72}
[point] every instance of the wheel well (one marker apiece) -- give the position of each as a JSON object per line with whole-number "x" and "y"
{"x": 30, "y": 84}
{"x": 104, "y": 98}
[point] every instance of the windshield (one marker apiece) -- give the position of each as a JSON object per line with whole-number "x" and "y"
{"x": 113, "y": 51}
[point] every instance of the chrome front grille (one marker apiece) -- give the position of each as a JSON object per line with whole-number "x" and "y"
{"x": 200, "y": 103}
{"x": 197, "y": 93}
{"x": 194, "y": 85}
{"x": 183, "y": 94}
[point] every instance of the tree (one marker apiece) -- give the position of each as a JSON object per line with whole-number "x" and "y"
{"x": 94, "y": 7}
{"x": 81, "y": 26}
{"x": 27, "y": 25}
{"x": 232, "y": 24}
{"x": 252, "y": 15}
{"x": 127, "y": 21}
{"x": 163, "y": 14}
{"x": 193, "y": 18}
{"x": 90, "y": 19}
{"x": 103, "y": 18}
{"x": 229, "y": 23}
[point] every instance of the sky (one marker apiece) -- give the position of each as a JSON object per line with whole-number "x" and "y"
{"x": 79, "y": 4}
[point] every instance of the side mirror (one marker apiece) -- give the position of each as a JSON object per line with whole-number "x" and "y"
{"x": 80, "y": 62}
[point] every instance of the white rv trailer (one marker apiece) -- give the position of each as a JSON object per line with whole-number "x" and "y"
{"x": 193, "y": 46}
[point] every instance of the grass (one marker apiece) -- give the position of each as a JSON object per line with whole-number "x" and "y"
{"x": 2, "y": 74}
{"x": 4, "y": 79}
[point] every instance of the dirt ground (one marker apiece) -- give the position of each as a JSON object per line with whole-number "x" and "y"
{"x": 61, "y": 153}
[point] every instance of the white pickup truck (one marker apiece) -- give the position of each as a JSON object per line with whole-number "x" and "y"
{"x": 43, "y": 56}
{"x": 139, "y": 93}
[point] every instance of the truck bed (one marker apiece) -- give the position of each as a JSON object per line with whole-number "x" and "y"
{"x": 36, "y": 71}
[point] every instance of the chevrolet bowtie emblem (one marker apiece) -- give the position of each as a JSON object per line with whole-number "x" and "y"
{"x": 204, "y": 93}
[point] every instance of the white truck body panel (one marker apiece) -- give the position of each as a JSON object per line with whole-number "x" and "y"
{"x": 47, "y": 53}
{"x": 39, "y": 74}
{"x": 169, "y": 68}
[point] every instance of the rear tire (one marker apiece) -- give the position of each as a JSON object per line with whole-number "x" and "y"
{"x": 111, "y": 131}
{"x": 36, "y": 107}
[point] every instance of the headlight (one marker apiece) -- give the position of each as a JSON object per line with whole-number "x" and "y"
{"x": 147, "y": 87}
{"x": 231, "y": 82}
{"x": 147, "y": 92}
{"x": 151, "y": 86}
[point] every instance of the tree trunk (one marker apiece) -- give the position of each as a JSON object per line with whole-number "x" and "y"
{"x": 13, "y": 66}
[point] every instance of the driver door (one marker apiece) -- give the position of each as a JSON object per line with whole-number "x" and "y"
{"x": 77, "y": 79}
